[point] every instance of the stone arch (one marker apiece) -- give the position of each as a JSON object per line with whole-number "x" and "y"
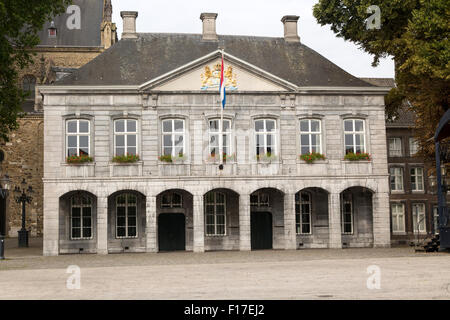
{"x": 78, "y": 222}
{"x": 357, "y": 216}
{"x": 127, "y": 221}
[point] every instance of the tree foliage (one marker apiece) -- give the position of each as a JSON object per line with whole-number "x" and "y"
{"x": 20, "y": 21}
{"x": 415, "y": 33}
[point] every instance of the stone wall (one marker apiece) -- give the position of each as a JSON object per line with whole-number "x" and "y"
{"x": 24, "y": 159}
{"x": 24, "y": 151}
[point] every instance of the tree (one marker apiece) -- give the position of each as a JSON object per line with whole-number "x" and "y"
{"x": 20, "y": 21}
{"x": 415, "y": 33}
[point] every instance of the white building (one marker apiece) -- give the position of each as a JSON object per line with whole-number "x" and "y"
{"x": 156, "y": 95}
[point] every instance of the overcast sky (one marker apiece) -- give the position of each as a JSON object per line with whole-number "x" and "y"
{"x": 254, "y": 18}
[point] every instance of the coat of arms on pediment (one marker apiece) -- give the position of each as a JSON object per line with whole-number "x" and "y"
{"x": 211, "y": 78}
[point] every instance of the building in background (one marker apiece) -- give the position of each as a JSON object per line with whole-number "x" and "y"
{"x": 413, "y": 202}
{"x": 68, "y": 42}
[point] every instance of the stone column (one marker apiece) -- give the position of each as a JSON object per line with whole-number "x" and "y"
{"x": 244, "y": 223}
{"x": 151, "y": 224}
{"x": 289, "y": 222}
{"x": 199, "y": 224}
{"x": 51, "y": 222}
{"x": 102, "y": 225}
{"x": 381, "y": 220}
{"x": 334, "y": 224}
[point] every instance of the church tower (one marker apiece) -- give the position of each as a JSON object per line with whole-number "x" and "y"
{"x": 108, "y": 28}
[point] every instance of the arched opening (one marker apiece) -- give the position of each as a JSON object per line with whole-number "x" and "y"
{"x": 175, "y": 220}
{"x": 357, "y": 217}
{"x": 221, "y": 212}
{"x": 127, "y": 221}
{"x": 311, "y": 218}
{"x": 78, "y": 222}
{"x": 267, "y": 219}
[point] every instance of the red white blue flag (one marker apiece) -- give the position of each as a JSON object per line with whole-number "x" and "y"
{"x": 223, "y": 97}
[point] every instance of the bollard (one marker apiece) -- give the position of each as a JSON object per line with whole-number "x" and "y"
{"x": 2, "y": 247}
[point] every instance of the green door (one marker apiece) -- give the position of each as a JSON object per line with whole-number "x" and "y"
{"x": 261, "y": 230}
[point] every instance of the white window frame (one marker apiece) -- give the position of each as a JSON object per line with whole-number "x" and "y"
{"x": 398, "y": 215}
{"x": 220, "y": 144}
{"x": 413, "y": 141}
{"x": 126, "y": 206}
{"x": 354, "y": 133}
{"x": 173, "y": 134}
{"x": 397, "y": 143}
{"x": 397, "y": 177}
{"x": 344, "y": 201}
{"x": 299, "y": 223}
{"x": 215, "y": 204}
{"x": 422, "y": 218}
{"x": 418, "y": 185}
{"x": 265, "y": 133}
{"x": 81, "y": 206}
{"x": 126, "y": 133}
{"x": 310, "y": 133}
{"x": 78, "y": 134}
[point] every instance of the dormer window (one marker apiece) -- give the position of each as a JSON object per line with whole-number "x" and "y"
{"x": 52, "y": 31}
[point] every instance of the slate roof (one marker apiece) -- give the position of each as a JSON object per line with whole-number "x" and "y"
{"x": 381, "y": 82}
{"x": 87, "y": 36}
{"x": 136, "y": 61}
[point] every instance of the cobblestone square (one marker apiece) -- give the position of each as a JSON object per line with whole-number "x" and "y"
{"x": 272, "y": 274}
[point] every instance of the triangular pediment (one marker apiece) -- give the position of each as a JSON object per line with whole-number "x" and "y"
{"x": 204, "y": 75}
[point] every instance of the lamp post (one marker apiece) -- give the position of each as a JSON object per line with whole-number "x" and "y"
{"x": 5, "y": 183}
{"x": 23, "y": 198}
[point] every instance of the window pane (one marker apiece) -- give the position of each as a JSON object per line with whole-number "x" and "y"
{"x": 304, "y": 140}
{"x": 72, "y": 126}
{"x": 167, "y": 140}
{"x": 167, "y": 126}
{"x": 120, "y": 141}
{"x": 131, "y": 151}
{"x": 226, "y": 125}
{"x": 84, "y": 141}
{"x": 348, "y": 125}
{"x": 131, "y": 125}
{"x": 179, "y": 125}
{"x": 132, "y": 231}
{"x": 121, "y": 231}
{"x": 315, "y": 126}
{"x": 76, "y": 233}
{"x": 270, "y": 125}
{"x": 72, "y": 141}
{"x": 259, "y": 125}
{"x": 120, "y": 126}
{"x": 84, "y": 127}
{"x": 348, "y": 140}
{"x": 214, "y": 125}
{"x": 359, "y": 125}
{"x": 131, "y": 140}
{"x": 304, "y": 125}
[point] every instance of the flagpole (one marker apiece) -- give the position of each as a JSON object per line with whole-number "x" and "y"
{"x": 221, "y": 123}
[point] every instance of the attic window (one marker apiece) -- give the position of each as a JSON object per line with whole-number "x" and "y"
{"x": 52, "y": 31}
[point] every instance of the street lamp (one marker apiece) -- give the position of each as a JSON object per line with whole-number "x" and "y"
{"x": 5, "y": 183}
{"x": 23, "y": 198}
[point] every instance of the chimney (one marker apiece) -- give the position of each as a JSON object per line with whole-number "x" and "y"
{"x": 209, "y": 26}
{"x": 129, "y": 24}
{"x": 290, "y": 28}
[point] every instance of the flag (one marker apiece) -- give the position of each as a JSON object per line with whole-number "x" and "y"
{"x": 223, "y": 97}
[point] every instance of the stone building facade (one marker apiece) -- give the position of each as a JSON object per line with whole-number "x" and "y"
{"x": 194, "y": 182}
{"x": 61, "y": 51}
